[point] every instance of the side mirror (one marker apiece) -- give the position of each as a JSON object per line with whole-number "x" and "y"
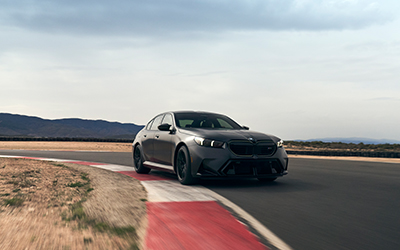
{"x": 246, "y": 128}
{"x": 164, "y": 127}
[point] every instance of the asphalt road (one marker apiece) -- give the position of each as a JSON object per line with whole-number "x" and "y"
{"x": 321, "y": 204}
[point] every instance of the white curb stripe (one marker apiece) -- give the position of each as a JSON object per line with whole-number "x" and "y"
{"x": 34, "y": 158}
{"x": 10, "y": 156}
{"x": 113, "y": 167}
{"x": 56, "y": 160}
{"x": 158, "y": 191}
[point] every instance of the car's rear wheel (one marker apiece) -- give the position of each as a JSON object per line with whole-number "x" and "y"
{"x": 266, "y": 179}
{"x": 183, "y": 167}
{"x": 138, "y": 161}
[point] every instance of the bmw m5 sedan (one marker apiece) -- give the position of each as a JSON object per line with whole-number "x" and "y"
{"x": 197, "y": 145}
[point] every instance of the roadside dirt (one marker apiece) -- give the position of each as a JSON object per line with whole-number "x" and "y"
{"x": 67, "y": 146}
{"x": 47, "y": 205}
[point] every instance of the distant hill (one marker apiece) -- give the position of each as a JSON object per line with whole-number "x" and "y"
{"x": 12, "y": 125}
{"x": 355, "y": 140}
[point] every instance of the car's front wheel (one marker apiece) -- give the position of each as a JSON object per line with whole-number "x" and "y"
{"x": 183, "y": 167}
{"x": 138, "y": 161}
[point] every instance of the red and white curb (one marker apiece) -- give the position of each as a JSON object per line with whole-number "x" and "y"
{"x": 189, "y": 217}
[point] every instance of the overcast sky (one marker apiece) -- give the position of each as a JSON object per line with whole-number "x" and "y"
{"x": 299, "y": 69}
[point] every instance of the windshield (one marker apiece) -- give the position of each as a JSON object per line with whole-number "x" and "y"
{"x": 205, "y": 120}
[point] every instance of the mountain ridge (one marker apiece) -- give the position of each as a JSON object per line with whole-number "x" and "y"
{"x": 32, "y": 126}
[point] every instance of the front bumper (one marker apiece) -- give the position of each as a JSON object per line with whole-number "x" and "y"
{"x": 221, "y": 162}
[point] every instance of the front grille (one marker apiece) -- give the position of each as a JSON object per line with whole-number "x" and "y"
{"x": 252, "y": 168}
{"x": 246, "y": 148}
{"x": 242, "y": 148}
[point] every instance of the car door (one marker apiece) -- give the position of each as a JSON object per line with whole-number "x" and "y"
{"x": 163, "y": 143}
{"x": 148, "y": 138}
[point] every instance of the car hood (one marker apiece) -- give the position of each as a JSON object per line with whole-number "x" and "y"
{"x": 227, "y": 135}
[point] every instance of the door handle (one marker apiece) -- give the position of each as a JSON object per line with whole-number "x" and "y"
{"x": 157, "y": 136}
{"x": 144, "y": 135}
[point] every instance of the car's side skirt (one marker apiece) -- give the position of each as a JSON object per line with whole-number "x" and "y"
{"x": 160, "y": 166}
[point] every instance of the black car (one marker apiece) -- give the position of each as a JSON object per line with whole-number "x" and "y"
{"x": 202, "y": 144}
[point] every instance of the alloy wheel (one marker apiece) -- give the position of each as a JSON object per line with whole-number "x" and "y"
{"x": 182, "y": 165}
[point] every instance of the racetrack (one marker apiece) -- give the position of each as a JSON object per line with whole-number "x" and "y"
{"x": 321, "y": 204}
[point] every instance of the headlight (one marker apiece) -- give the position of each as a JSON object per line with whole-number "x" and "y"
{"x": 279, "y": 144}
{"x": 208, "y": 142}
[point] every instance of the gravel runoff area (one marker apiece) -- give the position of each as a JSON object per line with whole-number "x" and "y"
{"x": 48, "y": 205}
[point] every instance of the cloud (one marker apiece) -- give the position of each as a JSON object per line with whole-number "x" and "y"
{"x": 177, "y": 17}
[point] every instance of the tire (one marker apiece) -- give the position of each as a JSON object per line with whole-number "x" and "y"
{"x": 183, "y": 167}
{"x": 266, "y": 179}
{"x": 138, "y": 161}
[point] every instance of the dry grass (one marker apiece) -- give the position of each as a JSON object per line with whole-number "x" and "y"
{"x": 42, "y": 206}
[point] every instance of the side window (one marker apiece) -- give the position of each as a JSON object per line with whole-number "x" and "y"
{"x": 157, "y": 121}
{"x": 149, "y": 124}
{"x": 167, "y": 119}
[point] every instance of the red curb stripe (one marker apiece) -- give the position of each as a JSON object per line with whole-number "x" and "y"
{"x": 144, "y": 177}
{"x": 196, "y": 226}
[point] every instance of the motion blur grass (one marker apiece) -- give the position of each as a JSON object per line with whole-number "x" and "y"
{"x": 77, "y": 213}
{"x": 16, "y": 202}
